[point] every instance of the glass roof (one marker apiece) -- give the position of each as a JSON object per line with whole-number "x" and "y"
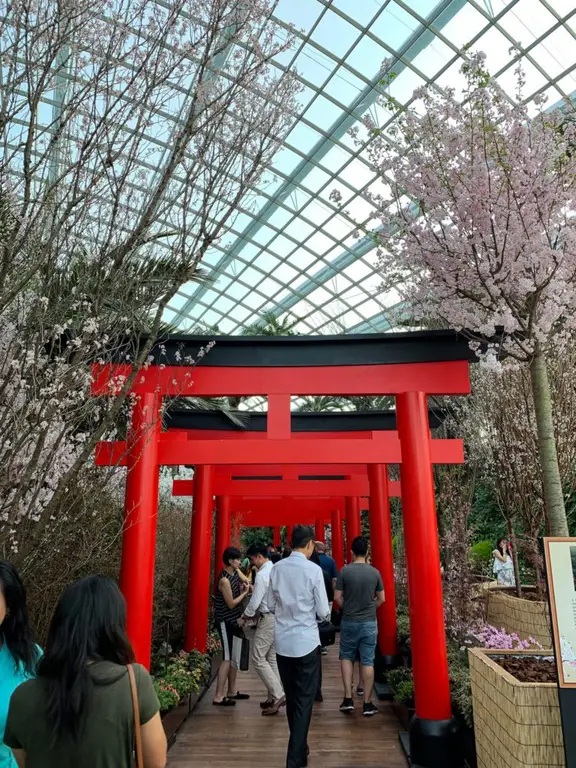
{"x": 297, "y": 251}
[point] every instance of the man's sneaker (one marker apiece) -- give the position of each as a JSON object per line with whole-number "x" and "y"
{"x": 324, "y": 651}
{"x": 369, "y": 710}
{"x": 359, "y": 691}
{"x": 347, "y": 706}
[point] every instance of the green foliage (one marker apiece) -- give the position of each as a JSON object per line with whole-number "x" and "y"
{"x": 249, "y": 536}
{"x": 396, "y": 676}
{"x": 270, "y": 325}
{"x": 460, "y": 685}
{"x": 403, "y": 629}
{"x": 168, "y": 697}
{"x": 405, "y": 693}
{"x": 480, "y": 555}
{"x": 401, "y": 684}
{"x": 486, "y": 519}
{"x": 365, "y": 523}
{"x": 183, "y": 675}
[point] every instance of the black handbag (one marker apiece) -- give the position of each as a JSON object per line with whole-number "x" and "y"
{"x": 327, "y": 633}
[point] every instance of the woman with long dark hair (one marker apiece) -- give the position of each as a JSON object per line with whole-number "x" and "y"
{"x": 79, "y": 711}
{"x": 18, "y": 653}
{"x": 503, "y": 567}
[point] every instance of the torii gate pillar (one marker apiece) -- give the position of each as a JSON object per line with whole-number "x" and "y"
{"x": 337, "y": 539}
{"x": 199, "y": 566}
{"x": 319, "y": 533}
{"x": 382, "y": 560}
{"x": 141, "y": 515}
{"x": 433, "y": 730}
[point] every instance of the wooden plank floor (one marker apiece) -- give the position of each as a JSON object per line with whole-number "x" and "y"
{"x": 240, "y": 737}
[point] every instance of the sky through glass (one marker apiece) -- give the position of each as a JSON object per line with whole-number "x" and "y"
{"x": 295, "y": 250}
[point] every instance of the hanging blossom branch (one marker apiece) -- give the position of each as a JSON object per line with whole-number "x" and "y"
{"x": 132, "y": 135}
{"x": 481, "y": 223}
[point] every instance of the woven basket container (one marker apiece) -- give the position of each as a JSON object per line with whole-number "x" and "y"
{"x": 528, "y": 618}
{"x": 516, "y": 725}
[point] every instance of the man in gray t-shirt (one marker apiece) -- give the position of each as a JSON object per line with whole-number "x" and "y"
{"x": 359, "y": 590}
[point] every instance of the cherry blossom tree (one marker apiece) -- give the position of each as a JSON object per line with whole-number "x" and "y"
{"x": 498, "y": 424}
{"x": 481, "y": 229}
{"x": 132, "y": 133}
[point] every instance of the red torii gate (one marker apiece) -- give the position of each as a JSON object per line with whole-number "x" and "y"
{"x": 406, "y": 365}
{"x": 284, "y": 512}
{"x": 226, "y": 484}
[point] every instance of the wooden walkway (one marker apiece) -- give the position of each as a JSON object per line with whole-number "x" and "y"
{"x": 240, "y": 737}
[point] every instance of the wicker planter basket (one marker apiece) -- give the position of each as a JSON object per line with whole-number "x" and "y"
{"x": 528, "y": 618}
{"x": 516, "y": 724}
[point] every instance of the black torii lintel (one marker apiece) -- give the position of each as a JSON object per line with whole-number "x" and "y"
{"x": 306, "y": 351}
{"x": 248, "y": 421}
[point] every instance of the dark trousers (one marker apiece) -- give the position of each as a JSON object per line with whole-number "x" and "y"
{"x": 319, "y": 686}
{"x": 300, "y": 680}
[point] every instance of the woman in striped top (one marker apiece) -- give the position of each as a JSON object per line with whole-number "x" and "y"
{"x": 233, "y": 587}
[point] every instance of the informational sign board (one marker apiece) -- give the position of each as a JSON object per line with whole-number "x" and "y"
{"x": 560, "y": 557}
{"x": 560, "y": 554}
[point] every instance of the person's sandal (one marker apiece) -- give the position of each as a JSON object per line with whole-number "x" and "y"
{"x": 240, "y": 696}
{"x": 224, "y": 703}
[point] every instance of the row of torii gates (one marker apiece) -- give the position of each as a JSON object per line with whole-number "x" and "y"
{"x": 282, "y": 469}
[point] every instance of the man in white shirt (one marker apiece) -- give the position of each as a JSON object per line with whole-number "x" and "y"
{"x": 263, "y": 648}
{"x": 297, "y": 597}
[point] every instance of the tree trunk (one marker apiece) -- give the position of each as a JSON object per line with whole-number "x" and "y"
{"x": 512, "y": 537}
{"x": 553, "y": 495}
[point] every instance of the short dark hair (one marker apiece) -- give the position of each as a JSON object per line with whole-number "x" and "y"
{"x": 302, "y": 535}
{"x": 257, "y": 549}
{"x": 360, "y": 546}
{"x": 270, "y": 545}
{"x": 231, "y": 553}
{"x": 286, "y": 552}
{"x": 275, "y": 557}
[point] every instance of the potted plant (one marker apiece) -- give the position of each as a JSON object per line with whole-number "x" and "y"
{"x": 401, "y": 684}
{"x": 516, "y": 711}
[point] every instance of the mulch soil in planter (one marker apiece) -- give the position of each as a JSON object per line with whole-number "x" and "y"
{"x": 528, "y": 669}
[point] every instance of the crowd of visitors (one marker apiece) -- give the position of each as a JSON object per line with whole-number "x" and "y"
{"x": 82, "y": 701}
{"x": 290, "y": 604}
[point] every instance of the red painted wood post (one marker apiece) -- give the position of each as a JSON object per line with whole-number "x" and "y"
{"x": 337, "y": 538}
{"x": 140, "y": 519}
{"x": 432, "y": 730}
{"x": 199, "y": 567}
{"x": 353, "y": 527}
{"x": 276, "y": 539}
{"x": 382, "y": 557}
{"x": 289, "y": 529}
{"x": 223, "y": 532}
{"x": 319, "y": 533}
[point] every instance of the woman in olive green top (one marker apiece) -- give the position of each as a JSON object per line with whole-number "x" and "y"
{"x": 78, "y": 711}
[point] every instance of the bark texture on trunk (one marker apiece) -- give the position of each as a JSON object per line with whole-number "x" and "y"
{"x": 553, "y": 495}
{"x": 514, "y": 555}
